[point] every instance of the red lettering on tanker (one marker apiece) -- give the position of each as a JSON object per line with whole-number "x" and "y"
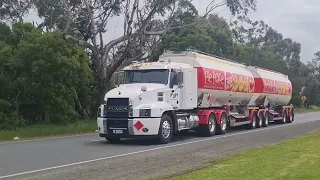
{"x": 214, "y": 79}
{"x": 276, "y": 87}
{"x": 268, "y": 86}
{"x": 211, "y": 79}
{"x": 251, "y": 84}
{"x": 229, "y": 81}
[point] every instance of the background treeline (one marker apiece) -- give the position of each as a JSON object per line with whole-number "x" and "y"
{"x": 59, "y": 70}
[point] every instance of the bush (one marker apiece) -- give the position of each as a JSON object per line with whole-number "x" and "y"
{"x": 9, "y": 118}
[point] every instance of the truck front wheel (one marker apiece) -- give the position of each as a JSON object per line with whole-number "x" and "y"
{"x": 165, "y": 129}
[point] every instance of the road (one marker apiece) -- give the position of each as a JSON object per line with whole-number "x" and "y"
{"x": 87, "y": 157}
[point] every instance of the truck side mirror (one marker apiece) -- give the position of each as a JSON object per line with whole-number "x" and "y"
{"x": 171, "y": 80}
{"x": 180, "y": 79}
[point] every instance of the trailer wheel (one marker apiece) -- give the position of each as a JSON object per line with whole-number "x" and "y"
{"x": 165, "y": 129}
{"x": 260, "y": 120}
{"x": 222, "y": 127}
{"x": 210, "y": 128}
{"x": 113, "y": 139}
{"x": 292, "y": 115}
{"x": 253, "y": 123}
{"x": 266, "y": 120}
{"x": 289, "y": 118}
{"x": 285, "y": 118}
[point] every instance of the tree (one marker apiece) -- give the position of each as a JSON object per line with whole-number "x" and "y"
{"x": 14, "y": 10}
{"x": 263, "y": 36}
{"x": 44, "y": 77}
{"x": 211, "y": 35}
{"x": 85, "y": 22}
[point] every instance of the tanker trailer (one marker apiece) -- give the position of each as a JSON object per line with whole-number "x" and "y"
{"x": 273, "y": 91}
{"x": 183, "y": 91}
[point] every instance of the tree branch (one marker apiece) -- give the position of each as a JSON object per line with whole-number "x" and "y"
{"x": 93, "y": 27}
{"x": 115, "y": 66}
{"x": 75, "y": 40}
{"x": 66, "y": 28}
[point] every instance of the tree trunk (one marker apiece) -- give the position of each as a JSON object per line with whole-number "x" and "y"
{"x": 78, "y": 105}
{"x": 102, "y": 89}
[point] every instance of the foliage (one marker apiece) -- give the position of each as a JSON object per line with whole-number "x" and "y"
{"x": 259, "y": 45}
{"x": 43, "y": 77}
{"x": 211, "y": 35}
{"x": 85, "y": 22}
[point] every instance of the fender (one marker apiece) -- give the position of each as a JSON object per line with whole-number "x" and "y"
{"x": 263, "y": 111}
{"x": 252, "y": 111}
{"x": 204, "y": 115}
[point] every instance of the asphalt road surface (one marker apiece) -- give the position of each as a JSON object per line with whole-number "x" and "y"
{"x": 88, "y": 157}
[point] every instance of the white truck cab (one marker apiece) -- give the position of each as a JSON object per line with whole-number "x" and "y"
{"x": 146, "y": 103}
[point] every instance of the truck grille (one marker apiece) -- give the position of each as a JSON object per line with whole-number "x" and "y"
{"x": 117, "y": 123}
{"x": 117, "y": 108}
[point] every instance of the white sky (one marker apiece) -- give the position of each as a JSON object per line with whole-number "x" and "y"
{"x": 296, "y": 19}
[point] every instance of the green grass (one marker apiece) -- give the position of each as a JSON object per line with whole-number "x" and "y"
{"x": 44, "y": 130}
{"x": 306, "y": 110}
{"x": 297, "y": 159}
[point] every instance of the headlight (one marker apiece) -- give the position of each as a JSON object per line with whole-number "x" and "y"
{"x": 130, "y": 108}
{"x": 130, "y": 111}
{"x": 99, "y": 111}
{"x": 145, "y": 113}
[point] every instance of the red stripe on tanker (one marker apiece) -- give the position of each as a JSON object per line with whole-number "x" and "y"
{"x": 269, "y": 86}
{"x": 226, "y": 81}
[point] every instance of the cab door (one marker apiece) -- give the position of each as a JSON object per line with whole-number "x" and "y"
{"x": 175, "y": 94}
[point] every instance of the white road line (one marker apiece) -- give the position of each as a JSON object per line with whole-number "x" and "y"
{"x": 158, "y": 148}
{"x": 98, "y": 140}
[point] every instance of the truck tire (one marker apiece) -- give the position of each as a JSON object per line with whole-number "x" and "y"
{"x": 222, "y": 127}
{"x": 165, "y": 129}
{"x": 260, "y": 120}
{"x": 113, "y": 139}
{"x": 292, "y": 115}
{"x": 289, "y": 118}
{"x": 266, "y": 120}
{"x": 253, "y": 123}
{"x": 209, "y": 129}
{"x": 285, "y": 118}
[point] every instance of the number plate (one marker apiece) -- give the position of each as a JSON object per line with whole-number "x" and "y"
{"x": 117, "y": 131}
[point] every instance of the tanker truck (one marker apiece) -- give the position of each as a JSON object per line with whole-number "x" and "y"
{"x": 192, "y": 90}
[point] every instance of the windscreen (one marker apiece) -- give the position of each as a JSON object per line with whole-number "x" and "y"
{"x": 159, "y": 76}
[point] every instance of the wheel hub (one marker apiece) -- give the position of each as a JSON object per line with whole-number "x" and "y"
{"x": 212, "y": 124}
{"x": 260, "y": 120}
{"x": 166, "y": 129}
{"x": 223, "y": 123}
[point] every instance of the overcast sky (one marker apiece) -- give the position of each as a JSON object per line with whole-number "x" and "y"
{"x": 296, "y": 19}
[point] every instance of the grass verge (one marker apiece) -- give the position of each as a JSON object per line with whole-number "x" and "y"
{"x": 306, "y": 110}
{"x": 49, "y": 130}
{"x": 295, "y": 159}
